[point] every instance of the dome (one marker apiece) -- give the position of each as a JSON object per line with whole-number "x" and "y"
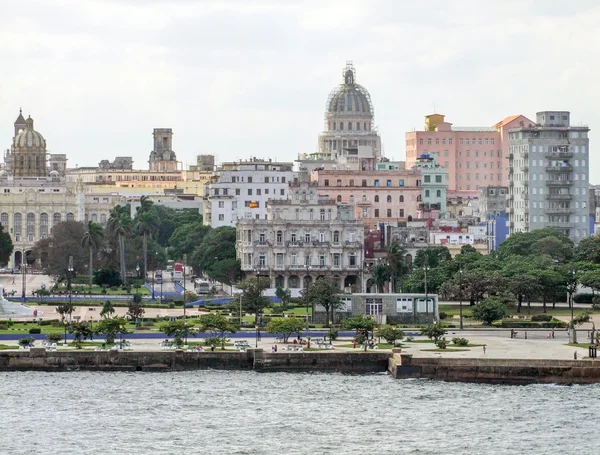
{"x": 29, "y": 138}
{"x": 350, "y": 98}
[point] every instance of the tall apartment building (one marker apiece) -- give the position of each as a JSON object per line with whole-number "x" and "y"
{"x": 302, "y": 239}
{"x": 549, "y": 176}
{"x": 435, "y": 184}
{"x": 241, "y": 190}
{"x": 474, "y": 157}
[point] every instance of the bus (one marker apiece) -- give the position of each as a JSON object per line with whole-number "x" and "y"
{"x": 201, "y": 286}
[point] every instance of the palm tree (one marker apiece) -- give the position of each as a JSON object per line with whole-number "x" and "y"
{"x": 91, "y": 239}
{"x": 395, "y": 262}
{"x": 381, "y": 275}
{"x": 119, "y": 224}
{"x": 146, "y": 225}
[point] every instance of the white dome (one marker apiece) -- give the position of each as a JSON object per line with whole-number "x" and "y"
{"x": 29, "y": 138}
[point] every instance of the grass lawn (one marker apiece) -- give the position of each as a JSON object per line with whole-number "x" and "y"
{"x": 454, "y": 310}
{"x": 6, "y": 346}
{"x": 379, "y": 345}
{"x": 98, "y": 290}
{"x": 580, "y": 345}
{"x": 419, "y": 341}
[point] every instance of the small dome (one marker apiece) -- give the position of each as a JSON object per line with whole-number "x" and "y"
{"x": 54, "y": 174}
{"x": 350, "y": 98}
{"x": 29, "y": 137}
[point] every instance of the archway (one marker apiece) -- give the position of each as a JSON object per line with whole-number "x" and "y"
{"x": 351, "y": 282}
{"x": 294, "y": 281}
{"x": 279, "y": 281}
{"x": 307, "y": 280}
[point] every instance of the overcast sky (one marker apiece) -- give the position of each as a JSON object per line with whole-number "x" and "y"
{"x": 251, "y": 78}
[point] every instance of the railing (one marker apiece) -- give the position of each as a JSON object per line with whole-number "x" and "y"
{"x": 560, "y": 224}
{"x": 353, "y": 244}
{"x": 559, "y": 182}
{"x": 559, "y": 155}
{"x": 559, "y": 211}
{"x": 264, "y": 243}
{"x": 568, "y": 168}
{"x": 559, "y": 197}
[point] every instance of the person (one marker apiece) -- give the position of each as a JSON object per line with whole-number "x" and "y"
{"x": 552, "y": 333}
{"x": 275, "y": 348}
{"x": 484, "y": 348}
{"x": 295, "y": 341}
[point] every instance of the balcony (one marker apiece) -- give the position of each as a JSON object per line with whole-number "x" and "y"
{"x": 262, "y": 243}
{"x": 525, "y": 195}
{"x": 559, "y": 197}
{"x": 559, "y": 155}
{"x": 350, "y": 244}
{"x": 292, "y": 243}
{"x": 559, "y": 211}
{"x": 568, "y": 168}
{"x": 560, "y": 224}
{"x": 559, "y": 182}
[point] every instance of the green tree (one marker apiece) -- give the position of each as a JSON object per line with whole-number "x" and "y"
{"x": 108, "y": 310}
{"x": 111, "y": 327}
{"x": 120, "y": 225}
{"x": 522, "y": 279}
{"x": 6, "y": 246}
{"x": 92, "y": 239}
{"x": 588, "y": 250}
{"x": 81, "y": 331}
{"x": 359, "y": 323}
{"x": 489, "y": 310}
{"x": 146, "y": 224}
{"x": 285, "y": 327}
{"x": 135, "y": 309}
{"x": 54, "y": 252}
{"x": 391, "y": 334}
{"x": 576, "y": 321}
{"x": 284, "y": 295}
{"x": 381, "y": 275}
{"x": 324, "y": 292}
{"x": 65, "y": 309}
{"x": 217, "y": 245}
{"x": 433, "y": 332}
{"x": 524, "y": 244}
{"x": 253, "y": 300}
{"x": 109, "y": 277}
{"x": 432, "y": 257}
{"x": 186, "y": 238}
{"x": 218, "y": 325}
{"x": 228, "y": 271}
{"x": 396, "y": 263}
{"x": 178, "y": 329}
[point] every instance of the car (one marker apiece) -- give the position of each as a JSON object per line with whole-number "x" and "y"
{"x": 3, "y": 271}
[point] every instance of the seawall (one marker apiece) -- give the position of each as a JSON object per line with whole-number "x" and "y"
{"x": 495, "y": 371}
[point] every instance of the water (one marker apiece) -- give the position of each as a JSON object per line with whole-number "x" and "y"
{"x": 219, "y": 412}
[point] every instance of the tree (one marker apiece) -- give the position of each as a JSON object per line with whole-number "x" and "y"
{"x": 107, "y": 310}
{"x": 489, "y": 310}
{"x": 284, "y": 295}
{"x": 54, "y": 252}
{"x": 92, "y": 238}
{"x": 326, "y": 293}
{"x": 588, "y": 250}
{"x": 217, "y": 245}
{"x": 381, "y": 275}
{"x": 111, "y": 327}
{"x": 119, "y": 224}
{"x": 252, "y": 297}
{"x": 359, "y": 323}
{"x": 81, "y": 331}
{"x": 433, "y": 332}
{"x": 432, "y": 257}
{"x": 135, "y": 310}
{"x": 285, "y": 327}
{"x": 65, "y": 309}
{"x": 186, "y": 238}
{"x": 178, "y": 329}
{"x": 6, "y": 246}
{"x": 228, "y": 271}
{"x": 109, "y": 277}
{"x": 524, "y": 244}
{"x": 396, "y": 263}
{"x": 522, "y": 279}
{"x": 576, "y": 321}
{"x": 218, "y": 325}
{"x": 391, "y": 334}
{"x": 146, "y": 224}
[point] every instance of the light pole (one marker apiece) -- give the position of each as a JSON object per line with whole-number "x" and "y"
{"x": 425, "y": 270}
{"x": 70, "y": 269}
{"x": 137, "y": 270}
{"x": 65, "y": 341}
{"x": 155, "y": 257}
{"x": 460, "y": 274}
{"x": 23, "y": 273}
{"x": 256, "y": 338}
{"x": 572, "y": 291}
{"x": 240, "y": 311}
{"x": 184, "y": 308}
{"x": 306, "y": 293}
{"x": 91, "y": 328}
{"x": 121, "y": 337}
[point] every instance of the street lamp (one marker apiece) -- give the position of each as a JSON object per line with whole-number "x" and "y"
{"x": 460, "y": 274}
{"x": 572, "y": 291}
{"x": 137, "y": 270}
{"x": 23, "y": 273}
{"x": 425, "y": 270}
{"x": 91, "y": 328}
{"x": 306, "y": 293}
{"x": 256, "y": 343}
{"x": 70, "y": 270}
{"x": 121, "y": 336}
{"x": 184, "y": 308}
{"x": 65, "y": 341}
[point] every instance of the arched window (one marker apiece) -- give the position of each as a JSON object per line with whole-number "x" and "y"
{"x": 401, "y": 198}
{"x": 17, "y": 222}
{"x": 56, "y": 218}
{"x": 334, "y": 125}
{"x": 389, "y": 199}
{"x": 70, "y": 217}
{"x": 341, "y": 125}
{"x": 103, "y": 218}
{"x": 336, "y": 236}
{"x": 339, "y": 198}
{"x": 43, "y": 225}
{"x": 94, "y": 218}
{"x": 376, "y": 198}
{"x": 438, "y": 193}
{"x": 419, "y": 198}
{"x": 30, "y": 226}
{"x": 358, "y": 126}
{"x": 349, "y": 126}
{"x": 4, "y": 220}
{"x": 279, "y": 236}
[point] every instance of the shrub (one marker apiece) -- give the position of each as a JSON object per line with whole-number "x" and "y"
{"x": 511, "y": 324}
{"x": 443, "y": 315}
{"x": 541, "y": 318}
{"x": 489, "y": 310}
{"x": 3, "y": 326}
{"x": 26, "y": 342}
{"x": 35, "y": 330}
{"x": 442, "y": 343}
{"x": 584, "y": 297}
{"x": 54, "y": 337}
{"x": 460, "y": 341}
{"x": 333, "y": 334}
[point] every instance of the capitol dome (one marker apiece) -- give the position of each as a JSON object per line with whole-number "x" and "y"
{"x": 349, "y": 99}
{"x": 29, "y": 138}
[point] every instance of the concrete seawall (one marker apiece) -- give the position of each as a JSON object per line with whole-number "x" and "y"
{"x": 495, "y": 371}
{"x": 398, "y": 365}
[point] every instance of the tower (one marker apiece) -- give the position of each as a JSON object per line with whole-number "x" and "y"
{"x": 163, "y": 158}
{"x": 28, "y": 152}
{"x": 19, "y": 123}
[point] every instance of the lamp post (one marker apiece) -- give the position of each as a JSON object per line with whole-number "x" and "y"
{"x": 121, "y": 337}
{"x": 240, "y": 311}
{"x": 425, "y": 270}
{"x": 306, "y": 293}
{"x": 70, "y": 269}
{"x": 65, "y": 340}
{"x": 184, "y": 308}
{"x": 137, "y": 270}
{"x": 154, "y": 273}
{"x": 572, "y": 291}
{"x": 256, "y": 338}
{"x": 91, "y": 328}
{"x": 460, "y": 274}
{"x": 23, "y": 273}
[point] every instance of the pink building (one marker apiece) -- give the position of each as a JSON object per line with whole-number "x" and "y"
{"x": 377, "y": 196}
{"x": 473, "y": 157}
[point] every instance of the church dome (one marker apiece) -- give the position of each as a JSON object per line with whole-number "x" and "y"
{"x": 29, "y": 138}
{"x": 349, "y": 99}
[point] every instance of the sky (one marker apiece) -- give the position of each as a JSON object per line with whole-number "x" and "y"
{"x": 251, "y": 78}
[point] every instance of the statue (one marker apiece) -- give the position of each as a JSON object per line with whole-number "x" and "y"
{"x": 13, "y": 309}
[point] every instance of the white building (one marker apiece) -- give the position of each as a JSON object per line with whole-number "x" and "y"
{"x": 302, "y": 239}
{"x": 240, "y": 190}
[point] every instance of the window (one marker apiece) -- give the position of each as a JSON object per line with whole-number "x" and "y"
{"x": 427, "y": 178}
{"x": 237, "y": 191}
{"x": 326, "y": 182}
{"x": 282, "y": 192}
{"x": 352, "y": 258}
{"x": 376, "y": 213}
{"x": 352, "y": 236}
{"x": 221, "y": 204}
{"x": 401, "y": 213}
{"x": 364, "y": 183}
{"x": 437, "y": 141}
{"x": 389, "y": 199}
{"x": 460, "y": 141}
{"x": 429, "y": 141}
{"x": 421, "y": 141}
{"x": 389, "y": 213}
{"x": 401, "y": 182}
{"x": 307, "y": 237}
{"x": 339, "y": 198}
{"x": 426, "y": 193}
{"x": 321, "y": 260}
{"x": 279, "y": 259}
{"x": 249, "y": 191}
{"x": 376, "y": 183}
{"x": 450, "y": 141}
{"x": 339, "y": 182}
{"x": 258, "y": 192}
{"x": 351, "y": 183}
{"x": 336, "y": 260}
{"x": 336, "y": 236}
{"x": 376, "y": 198}
{"x": 388, "y": 183}
{"x": 293, "y": 237}
{"x": 401, "y": 198}
{"x": 279, "y": 236}
{"x": 443, "y": 141}
{"x": 249, "y": 179}
{"x": 322, "y": 236}
{"x": 262, "y": 260}
{"x": 438, "y": 179}
{"x": 293, "y": 259}
{"x": 438, "y": 193}
{"x": 322, "y": 214}
{"x": 221, "y": 217}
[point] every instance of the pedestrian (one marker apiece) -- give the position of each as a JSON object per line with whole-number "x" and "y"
{"x": 552, "y": 333}
{"x": 484, "y": 348}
